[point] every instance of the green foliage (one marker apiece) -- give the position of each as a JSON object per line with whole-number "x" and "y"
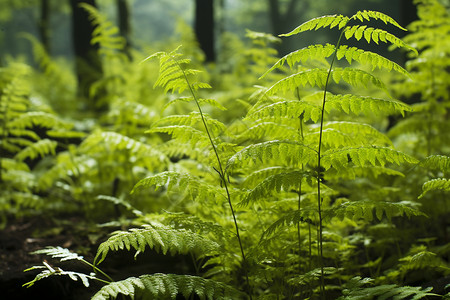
{"x": 168, "y": 286}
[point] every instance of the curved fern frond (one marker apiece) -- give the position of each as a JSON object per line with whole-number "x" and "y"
{"x": 364, "y": 209}
{"x": 318, "y": 77}
{"x": 370, "y": 14}
{"x": 58, "y": 252}
{"x": 364, "y": 156}
{"x": 287, "y": 153}
{"x": 435, "y": 184}
{"x": 286, "y": 181}
{"x": 168, "y": 286}
{"x": 183, "y": 182}
{"x": 211, "y": 102}
{"x": 376, "y": 35}
{"x": 293, "y": 217}
{"x": 364, "y": 104}
{"x": 173, "y": 74}
{"x": 437, "y": 162}
{"x": 349, "y": 53}
{"x": 42, "y": 119}
{"x": 287, "y": 109}
{"x": 40, "y": 148}
{"x": 158, "y": 237}
{"x": 257, "y": 176}
{"x": 269, "y": 130}
{"x": 106, "y": 34}
{"x": 183, "y": 134}
{"x": 193, "y": 119}
{"x": 340, "y": 133}
{"x": 355, "y": 290}
{"x": 320, "y": 22}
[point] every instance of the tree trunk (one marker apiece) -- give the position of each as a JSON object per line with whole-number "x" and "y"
{"x": 87, "y": 59}
{"x": 204, "y": 27}
{"x": 123, "y": 13}
{"x": 44, "y": 25}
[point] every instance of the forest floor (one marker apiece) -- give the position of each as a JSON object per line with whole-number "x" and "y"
{"x": 22, "y": 236}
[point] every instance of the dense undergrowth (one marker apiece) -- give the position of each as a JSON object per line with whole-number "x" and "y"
{"x": 297, "y": 178}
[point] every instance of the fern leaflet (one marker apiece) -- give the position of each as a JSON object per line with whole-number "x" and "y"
{"x": 435, "y": 184}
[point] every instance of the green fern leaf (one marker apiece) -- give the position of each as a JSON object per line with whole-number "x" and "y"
{"x": 369, "y": 14}
{"x": 259, "y": 175}
{"x": 355, "y": 290}
{"x": 376, "y": 35}
{"x": 287, "y": 153}
{"x": 339, "y": 159}
{"x": 40, "y": 148}
{"x": 318, "y": 77}
{"x": 363, "y": 104}
{"x": 320, "y": 22}
{"x": 287, "y": 109}
{"x": 184, "y": 134}
{"x": 269, "y": 131}
{"x": 437, "y": 162}
{"x": 58, "y": 252}
{"x": 42, "y": 119}
{"x": 193, "y": 119}
{"x": 364, "y": 209}
{"x": 158, "y": 237}
{"x": 167, "y": 286}
{"x": 435, "y": 184}
{"x": 183, "y": 182}
{"x": 286, "y": 181}
{"x": 211, "y": 102}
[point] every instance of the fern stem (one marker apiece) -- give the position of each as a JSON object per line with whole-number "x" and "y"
{"x": 319, "y": 198}
{"x": 222, "y": 177}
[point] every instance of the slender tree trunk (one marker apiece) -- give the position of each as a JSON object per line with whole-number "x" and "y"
{"x": 44, "y": 25}
{"x": 204, "y": 27}
{"x": 123, "y": 13}
{"x": 87, "y": 59}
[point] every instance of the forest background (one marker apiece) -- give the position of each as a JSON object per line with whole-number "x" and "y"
{"x": 85, "y": 137}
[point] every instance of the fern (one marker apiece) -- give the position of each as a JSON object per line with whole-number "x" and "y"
{"x": 355, "y": 290}
{"x": 435, "y": 184}
{"x": 168, "y": 286}
{"x": 40, "y": 148}
{"x": 157, "y": 237}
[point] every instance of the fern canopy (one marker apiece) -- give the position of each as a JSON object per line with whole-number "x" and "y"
{"x": 168, "y": 286}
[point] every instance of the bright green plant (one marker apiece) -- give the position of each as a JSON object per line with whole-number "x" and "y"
{"x": 282, "y": 204}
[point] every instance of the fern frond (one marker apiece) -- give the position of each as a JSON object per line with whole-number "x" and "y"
{"x": 183, "y": 134}
{"x": 355, "y": 290}
{"x": 40, "y": 148}
{"x": 269, "y": 131}
{"x": 158, "y": 237}
{"x": 183, "y": 182}
{"x": 211, "y": 102}
{"x": 349, "y": 53}
{"x": 370, "y": 14}
{"x": 437, "y": 162}
{"x": 364, "y": 209}
{"x": 318, "y": 77}
{"x": 41, "y": 119}
{"x": 341, "y": 133}
{"x": 257, "y": 176}
{"x": 173, "y": 76}
{"x": 287, "y": 109}
{"x": 339, "y": 159}
{"x": 442, "y": 184}
{"x": 167, "y": 286}
{"x": 305, "y": 215}
{"x": 320, "y": 22}
{"x": 50, "y": 271}
{"x": 286, "y": 181}
{"x": 106, "y": 34}
{"x": 287, "y": 153}
{"x": 376, "y": 35}
{"x": 58, "y": 252}
{"x": 364, "y": 104}
{"x": 193, "y": 119}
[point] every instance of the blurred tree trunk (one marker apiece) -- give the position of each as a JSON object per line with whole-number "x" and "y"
{"x": 87, "y": 59}
{"x": 44, "y": 25}
{"x": 123, "y": 13}
{"x": 285, "y": 21}
{"x": 204, "y": 27}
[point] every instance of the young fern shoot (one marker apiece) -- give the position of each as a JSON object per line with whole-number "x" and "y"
{"x": 321, "y": 77}
{"x": 174, "y": 77}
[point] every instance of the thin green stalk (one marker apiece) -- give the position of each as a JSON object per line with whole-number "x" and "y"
{"x": 319, "y": 198}
{"x": 222, "y": 176}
